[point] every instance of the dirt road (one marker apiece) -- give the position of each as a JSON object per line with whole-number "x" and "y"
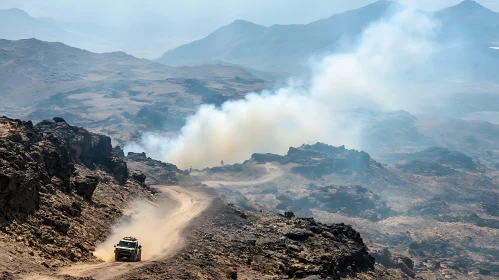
{"x": 273, "y": 172}
{"x": 158, "y": 227}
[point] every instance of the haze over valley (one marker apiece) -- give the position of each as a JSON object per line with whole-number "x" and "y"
{"x": 251, "y": 147}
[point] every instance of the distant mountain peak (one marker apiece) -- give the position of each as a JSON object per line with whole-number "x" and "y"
{"x": 469, "y": 6}
{"x": 383, "y": 3}
{"x": 468, "y": 10}
{"x": 381, "y": 6}
{"x": 240, "y": 25}
{"x": 243, "y": 23}
{"x": 15, "y": 11}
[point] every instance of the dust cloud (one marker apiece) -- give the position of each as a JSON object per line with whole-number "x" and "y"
{"x": 148, "y": 223}
{"x": 378, "y": 72}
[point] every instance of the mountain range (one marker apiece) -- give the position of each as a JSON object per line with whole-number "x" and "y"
{"x": 288, "y": 48}
{"x": 277, "y": 48}
{"x": 142, "y": 39}
{"x": 41, "y": 79}
{"x": 22, "y": 26}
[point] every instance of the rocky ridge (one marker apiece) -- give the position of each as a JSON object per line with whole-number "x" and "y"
{"x": 436, "y": 206}
{"x": 156, "y": 172}
{"x": 227, "y": 243}
{"x": 61, "y": 187}
{"x": 321, "y": 159}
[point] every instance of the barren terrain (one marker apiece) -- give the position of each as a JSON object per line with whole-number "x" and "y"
{"x": 409, "y": 210}
{"x": 158, "y": 226}
{"x": 112, "y": 93}
{"x": 64, "y": 226}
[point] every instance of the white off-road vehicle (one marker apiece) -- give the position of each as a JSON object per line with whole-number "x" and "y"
{"x": 128, "y": 248}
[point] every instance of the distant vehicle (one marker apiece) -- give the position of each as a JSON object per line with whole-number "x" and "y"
{"x": 128, "y": 248}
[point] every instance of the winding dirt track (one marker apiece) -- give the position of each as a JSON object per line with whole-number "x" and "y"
{"x": 164, "y": 236}
{"x": 160, "y": 229}
{"x": 273, "y": 171}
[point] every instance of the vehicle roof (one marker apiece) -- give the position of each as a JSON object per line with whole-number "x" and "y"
{"x": 129, "y": 238}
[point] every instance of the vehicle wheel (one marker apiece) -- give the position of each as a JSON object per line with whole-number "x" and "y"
{"x": 140, "y": 257}
{"x": 116, "y": 257}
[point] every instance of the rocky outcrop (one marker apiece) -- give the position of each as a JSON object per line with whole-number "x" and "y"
{"x": 446, "y": 157}
{"x": 138, "y": 176}
{"x": 427, "y": 168}
{"x": 83, "y": 147}
{"x": 40, "y": 158}
{"x": 405, "y": 264}
{"x": 253, "y": 245}
{"x": 351, "y": 201}
{"x": 226, "y": 168}
{"x": 321, "y": 159}
{"x": 61, "y": 187}
{"x": 435, "y": 162}
{"x": 85, "y": 186}
{"x": 156, "y": 172}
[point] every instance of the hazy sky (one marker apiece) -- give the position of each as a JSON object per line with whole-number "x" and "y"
{"x": 260, "y": 11}
{"x": 165, "y": 24}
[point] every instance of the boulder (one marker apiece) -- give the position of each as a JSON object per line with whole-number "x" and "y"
{"x": 73, "y": 210}
{"x": 289, "y": 214}
{"x": 85, "y": 186}
{"x": 138, "y": 176}
{"x": 299, "y": 235}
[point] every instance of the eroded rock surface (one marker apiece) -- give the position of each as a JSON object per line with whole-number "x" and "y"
{"x": 227, "y": 243}
{"x": 156, "y": 172}
{"x": 61, "y": 187}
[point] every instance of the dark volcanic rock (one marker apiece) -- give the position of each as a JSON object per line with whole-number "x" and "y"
{"x": 50, "y": 211}
{"x": 263, "y": 158}
{"x": 138, "y": 176}
{"x": 85, "y": 186}
{"x": 405, "y": 264}
{"x": 446, "y": 157}
{"x": 299, "y": 235}
{"x": 427, "y": 168}
{"x": 142, "y": 157}
{"x": 157, "y": 172}
{"x": 42, "y": 158}
{"x": 321, "y": 159}
{"x": 119, "y": 152}
{"x": 259, "y": 247}
{"x": 6, "y": 276}
{"x": 226, "y": 168}
{"x": 80, "y": 146}
{"x": 354, "y": 201}
{"x": 435, "y": 162}
{"x": 73, "y": 210}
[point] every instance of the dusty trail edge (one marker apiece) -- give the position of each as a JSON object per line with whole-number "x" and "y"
{"x": 273, "y": 172}
{"x": 190, "y": 204}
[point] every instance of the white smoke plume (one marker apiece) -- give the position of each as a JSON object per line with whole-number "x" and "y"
{"x": 378, "y": 72}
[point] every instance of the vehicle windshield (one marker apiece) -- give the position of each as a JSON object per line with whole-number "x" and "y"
{"x": 127, "y": 244}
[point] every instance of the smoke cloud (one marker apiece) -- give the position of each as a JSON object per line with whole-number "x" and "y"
{"x": 378, "y": 72}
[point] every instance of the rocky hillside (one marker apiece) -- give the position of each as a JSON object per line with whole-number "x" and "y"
{"x": 111, "y": 93}
{"x": 61, "y": 187}
{"x": 435, "y": 198}
{"x": 315, "y": 161}
{"x": 156, "y": 172}
{"x": 288, "y": 48}
{"x": 227, "y": 243}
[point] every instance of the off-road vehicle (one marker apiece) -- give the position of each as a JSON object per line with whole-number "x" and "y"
{"x": 128, "y": 248}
